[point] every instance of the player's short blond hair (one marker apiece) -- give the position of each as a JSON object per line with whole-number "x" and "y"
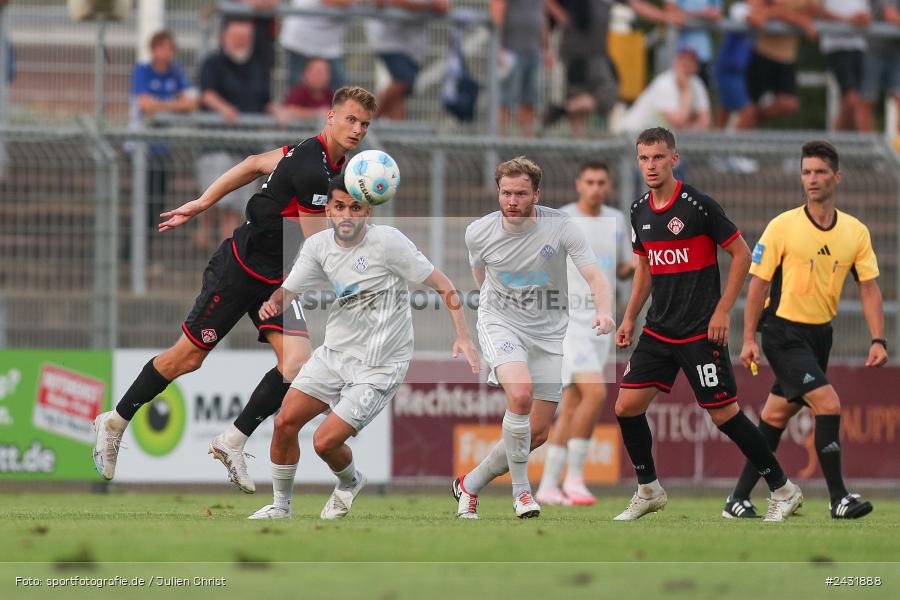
{"x": 361, "y": 96}
{"x": 520, "y": 165}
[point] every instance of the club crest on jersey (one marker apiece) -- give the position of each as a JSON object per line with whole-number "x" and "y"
{"x": 209, "y": 336}
{"x": 675, "y": 225}
{"x": 361, "y": 264}
{"x": 547, "y": 251}
{"x": 507, "y": 347}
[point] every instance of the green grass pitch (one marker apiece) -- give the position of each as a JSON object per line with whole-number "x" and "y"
{"x": 411, "y": 546}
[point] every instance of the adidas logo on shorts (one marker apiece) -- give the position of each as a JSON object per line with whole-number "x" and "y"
{"x": 808, "y": 379}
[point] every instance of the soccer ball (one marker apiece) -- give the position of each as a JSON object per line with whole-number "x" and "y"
{"x": 372, "y": 176}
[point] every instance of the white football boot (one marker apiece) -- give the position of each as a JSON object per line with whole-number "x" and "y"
{"x": 107, "y": 442}
{"x": 779, "y": 510}
{"x": 270, "y": 511}
{"x": 339, "y": 503}
{"x": 638, "y": 507}
{"x": 526, "y": 507}
{"x": 234, "y": 462}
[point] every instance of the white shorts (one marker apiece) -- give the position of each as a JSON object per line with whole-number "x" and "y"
{"x": 584, "y": 352}
{"x": 355, "y": 391}
{"x": 501, "y": 344}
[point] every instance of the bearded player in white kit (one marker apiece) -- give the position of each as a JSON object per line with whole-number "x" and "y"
{"x": 367, "y": 348}
{"x": 518, "y": 258}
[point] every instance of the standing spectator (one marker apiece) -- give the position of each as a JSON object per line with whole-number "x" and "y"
{"x": 401, "y": 46}
{"x": 882, "y": 65}
{"x": 675, "y": 99}
{"x": 523, "y": 34}
{"x": 698, "y": 40}
{"x": 307, "y": 37}
{"x": 312, "y": 98}
{"x": 730, "y": 70}
{"x": 233, "y": 81}
{"x": 845, "y": 55}
{"x": 265, "y": 28}
{"x": 591, "y": 81}
{"x": 159, "y": 86}
{"x": 773, "y": 65}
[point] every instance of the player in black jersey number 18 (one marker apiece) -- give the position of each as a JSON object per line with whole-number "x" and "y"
{"x": 675, "y": 230}
{"x": 242, "y": 274}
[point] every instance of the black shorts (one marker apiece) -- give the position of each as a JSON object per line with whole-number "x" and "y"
{"x": 229, "y": 293}
{"x": 656, "y": 363}
{"x": 767, "y": 75}
{"x": 798, "y": 354}
{"x": 847, "y": 66}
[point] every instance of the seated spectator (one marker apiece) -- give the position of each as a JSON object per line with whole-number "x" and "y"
{"x": 159, "y": 86}
{"x": 401, "y": 46}
{"x": 882, "y": 65}
{"x": 675, "y": 99}
{"x": 773, "y": 65}
{"x": 844, "y": 54}
{"x": 730, "y": 70}
{"x": 699, "y": 40}
{"x": 306, "y": 37}
{"x": 233, "y": 81}
{"x": 312, "y": 98}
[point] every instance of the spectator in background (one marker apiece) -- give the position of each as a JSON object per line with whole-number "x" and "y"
{"x": 675, "y": 99}
{"x": 591, "y": 81}
{"x": 845, "y": 55}
{"x": 159, "y": 86}
{"x": 522, "y": 25}
{"x": 699, "y": 40}
{"x": 233, "y": 81}
{"x": 881, "y": 65}
{"x": 730, "y": 70}
{"x": 401, "y": 46}
{"x": 312, "y": 98}
{"x": 308, "y": 37}
{"x": 773, "y": 64}
{"x": 265, "y": 28}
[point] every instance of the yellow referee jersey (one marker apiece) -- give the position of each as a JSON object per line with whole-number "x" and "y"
{"x": 807, "y": 264}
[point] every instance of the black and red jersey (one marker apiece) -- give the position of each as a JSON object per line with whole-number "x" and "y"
{"x": 299, "y": 184}
{"x": 679, "y": 240}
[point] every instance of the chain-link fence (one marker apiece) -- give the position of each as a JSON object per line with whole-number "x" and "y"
{"x": 82, "y": 264}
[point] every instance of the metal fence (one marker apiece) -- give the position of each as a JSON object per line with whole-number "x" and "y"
{"x": 82, "y": 264}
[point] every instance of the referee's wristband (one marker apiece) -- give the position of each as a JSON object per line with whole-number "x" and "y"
{"x": 881, "y": 341}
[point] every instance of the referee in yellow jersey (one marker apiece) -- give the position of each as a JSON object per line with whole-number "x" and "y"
{"x": 801, "y": 263}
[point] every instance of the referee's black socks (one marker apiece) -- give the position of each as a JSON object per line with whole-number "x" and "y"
{"x": 749, "y": 476}
{"x": 748, "y": 438}
{"x": 147, "y": 386}
{"x": 264, "y": 402}
{"x": 639, "y": 442}
{"x": 828, "y": 447}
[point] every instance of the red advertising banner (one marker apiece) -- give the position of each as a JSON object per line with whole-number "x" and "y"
{"x": 439, "y": 428}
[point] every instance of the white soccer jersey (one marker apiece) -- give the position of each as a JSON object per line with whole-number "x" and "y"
{"x": 371, "y": 318}
{"x": 525, "y": 285}
{"x": 607, "y": 235}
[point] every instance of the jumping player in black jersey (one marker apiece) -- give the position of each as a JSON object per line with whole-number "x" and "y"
{"x": 675, "y": 229}
{"x": 243, "y": 273}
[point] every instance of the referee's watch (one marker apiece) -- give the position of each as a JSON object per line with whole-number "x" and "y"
{"x": 881, "y": 341}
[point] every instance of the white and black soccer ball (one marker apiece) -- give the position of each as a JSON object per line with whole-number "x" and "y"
{"x": 372, "y": 176}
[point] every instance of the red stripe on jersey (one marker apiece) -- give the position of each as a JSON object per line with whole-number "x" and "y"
{"x": 294, "y": 208}
{"x": 639, "y": 252}
{"x": 680, "y": 256}
{"x": 335, "y": 166}
{"x": 669, "y": 203}
{"x": 284, "y": 150}
{"x": 314, "y": 211}
{"x": 733, "y": 237}
{"x": 250, "y": 271}
{"x": 663, "y": 338}
{"x": 646, "y": 384}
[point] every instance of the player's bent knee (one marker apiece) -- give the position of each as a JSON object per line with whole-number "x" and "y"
{"x": 323, "y": 443}
{"x": 287, "y": 423}
{"x": 539, "y": 436}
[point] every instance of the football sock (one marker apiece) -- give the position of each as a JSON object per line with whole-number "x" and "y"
{"x": 828, "y": 447}
{"x": 283, "y": 485}
{"x": 553, "y": 466}
{"x": 117, "y": 422}
{"x": 264, "y": 402}
{"x": 639, "y": 444}
{"x": 235, "y": 438}
{"x": 650, "y": 490}
{"x": 578, "y": 449}
{"x": 147, "y": 386}
{"x": 347, "y": 477}
{"x": 517, "y": 439}
{"x": 749, "y": 476}
{"x": 494, "y": 465}
{"x": 748, "y": 438}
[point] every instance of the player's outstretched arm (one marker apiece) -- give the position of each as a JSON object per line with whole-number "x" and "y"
{"x": 603, "y": 320}
{"x": 274, "y": 306}
{"x": 737, "y": 273}
{"x": 873, "y": 311}
{"x": 756, "y": 300}
{"x": 640, "y": 291}
{"x": 234, "y": 178}
{"x": 440, "y": 283}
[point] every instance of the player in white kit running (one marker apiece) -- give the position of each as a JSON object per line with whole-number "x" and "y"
{"x": 518, "y": 257}
{"x": 367, "y": 348}
{"x": 585, "y": 355}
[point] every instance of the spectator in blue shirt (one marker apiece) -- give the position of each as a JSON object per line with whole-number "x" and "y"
{"x": 698, "y": 40}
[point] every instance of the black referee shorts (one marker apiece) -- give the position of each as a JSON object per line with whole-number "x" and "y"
{"x": 656, "y": 363}
{"x": 229, "y": 293}
{"x": 798, "y": 354}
